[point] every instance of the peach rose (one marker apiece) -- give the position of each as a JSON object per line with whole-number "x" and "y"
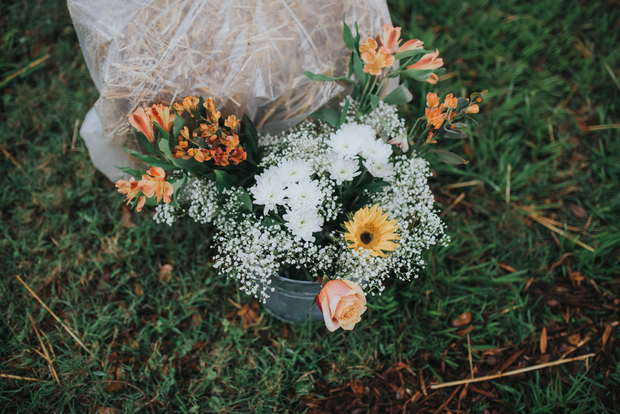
{"x": 342, "y": 303}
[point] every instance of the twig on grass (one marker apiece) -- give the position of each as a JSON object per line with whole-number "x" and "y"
{"x": 510, "y": 373}
{"x": 21, "y": 378}
{"x": 22, "y": 70}
{"x": 602, "y": 127}
{"x": 75, "y": 133}
{"x": 454, "y": 203}
{"x": 74, "y": 336}
{"x": 463, "y": 184}
{"x": 611, "y": 73}
{"x": 50, "y": 361}
{"x": 508, "y": 171}
{"x": 471, "y": 364}
{"x": 547, "y": 223}
{"x": 570, "y": 95}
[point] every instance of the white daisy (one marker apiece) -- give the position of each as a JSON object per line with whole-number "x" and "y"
{"x": 268, "y": 194}
{"x": 341, "y": 169}
{"x": 377, "y": 152}
{"x": 303, "y": 222}
{"x": 350, "y": 139}
{"x": 385, "y": 170}
{"x": 305, "y": 194}
{"x": 291, "y": 171}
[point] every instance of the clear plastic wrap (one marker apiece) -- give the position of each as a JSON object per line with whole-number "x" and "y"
{"x": 248, "y": 55}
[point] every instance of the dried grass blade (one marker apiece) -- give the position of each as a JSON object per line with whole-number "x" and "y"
{"x": 74, "y": 336}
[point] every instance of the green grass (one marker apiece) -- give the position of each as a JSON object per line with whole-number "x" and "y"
{"x": 181, "y": 342}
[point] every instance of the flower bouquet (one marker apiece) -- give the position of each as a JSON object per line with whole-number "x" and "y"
{"x": 342, "y": 198}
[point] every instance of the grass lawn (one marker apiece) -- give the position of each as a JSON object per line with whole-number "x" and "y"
{"x": 165, "y": 334}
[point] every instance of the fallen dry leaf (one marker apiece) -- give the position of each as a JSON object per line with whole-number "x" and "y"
{"x": 107, "y": 410}
{"x": 465, "y": 331}
{"x": 543, "y": 341}
{"x": 574, "y": 339}
{"x": 138, "y": 289}
{"x": 357, "y": 387}
{"x": 606, "y": 334}
{"x": 506, "y": 267}
{"x": 164, "y": 272}
{"x": 463, "y": 319}
{"x": 581, "y": 123}
{"x": 578, "y": 211}
{"x": 114, "y": 387}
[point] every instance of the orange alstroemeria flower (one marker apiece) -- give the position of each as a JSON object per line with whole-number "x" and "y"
{"x": 432, "y": 101}
{"x": 162, "y": 116}
{"x": 238, "y": 155}
{"x": 435, "y": 117}
{"x": 140, "y": 204}
{"x": 391, "y": 37}
{"x": 128, "y": 187}
{"x": 428, "y": 61}
{"x": 214, "y": 117}
{"x": 184, "y": 133}
{"x": 221, "y": 157}
{"x": 180, "y": 151}
{"x": 231, "y": 122}
{"x": 375, "y": 61}
{"x": 410, "y": 45}
{"x": 369, "y": 44}
{"x": 474, "y": 109}
{"x": 141, "y": 121}
{"x": 209, "y": 105}
{"x": 154, "y": 183}
{"x": 197, "y": 154}
{"x": 432, "y": 79}
{"x": 450, "y": 102}
{"x": 207, "y": 130}
{"x": 232, "y": 141}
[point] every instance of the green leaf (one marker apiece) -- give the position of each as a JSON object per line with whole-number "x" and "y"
{"x": 246, "y": 200}
{"x": 152, "y": 161}
{"x": 461, "y": 104}
{"x": 145, "y": 142}
{"x": 399, "y": 96}
{"x": 164, "y": 147}
{"x": 176, "y": 185}
{"x": 358, "y": 69}
{"x": 356, "y": 41}
{"x": 163, "y": 133}
{"x": 374, "y": 101}
{"x": 251, "y": 136}
{"x": 409, "y": 53}
{"x": 385, "y": 125}
{"x": 136, "y": 173}
{"x": 179, "y": 121}
{"x": 222, "y": 179}
{"x": 347, "y": 36}
{"x": 455, "y": 134}
{"x": 343, "y": 115}
{"x": 418, "y": 75}
{"x": 448, "y": 157}
{"x": 373, "y": 187}
{"x": 331, "y": 116}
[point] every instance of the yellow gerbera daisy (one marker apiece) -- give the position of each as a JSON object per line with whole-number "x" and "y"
{"x": 371, "y": 231}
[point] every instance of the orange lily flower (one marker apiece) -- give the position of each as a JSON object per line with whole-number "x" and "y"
{"x": 238, "y": 155}
{"x": 154, "y": 183}
{"x": 140, "y": 121}
{"x": 375, "y": 61}
{"x": 432, "y": 101}
{"x": 128, "y": 187}
{"x": 391, "y": 37}
{"x": 162, "y": 116}
{"x": 197, "y": 154}
{"x": 474, "y": 109}
{"x": 450, "y": 102}
{"x": 369, "y": 44}
{"x": 231, "y": 122}
{"x": 428, "y": 61}
{"x": 209, "y": 105}
{"x": 410, "y": 45}
{"x": 432, "y": 79}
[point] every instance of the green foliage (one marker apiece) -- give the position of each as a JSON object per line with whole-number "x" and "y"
{"x": 177, "y": 337}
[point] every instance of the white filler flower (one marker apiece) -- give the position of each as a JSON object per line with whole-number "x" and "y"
{"x": 303, "y": 222}
{"x": 341, "y": 169}
{"x": 351, "y": 139}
